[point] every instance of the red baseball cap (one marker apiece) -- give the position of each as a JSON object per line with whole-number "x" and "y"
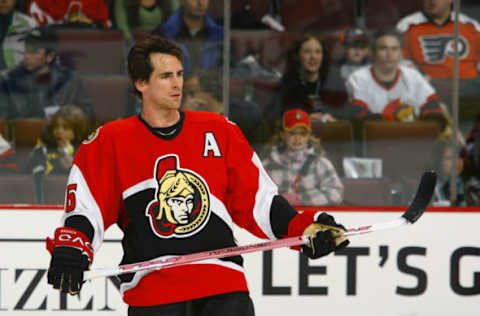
{"x": 296, "y": 117}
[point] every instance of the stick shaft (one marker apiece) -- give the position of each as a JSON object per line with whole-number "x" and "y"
{"x": 175, "y": 261}
{"x": 195, "y": 257}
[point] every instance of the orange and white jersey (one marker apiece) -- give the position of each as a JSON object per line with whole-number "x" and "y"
{"x": 368, "y": 95}
{"x": 431, "y": 46}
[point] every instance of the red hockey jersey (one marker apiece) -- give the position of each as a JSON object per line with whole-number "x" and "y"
{"x": 64, "y": 11}
{"x": 172, "y": 197}
{"x": 430, "y": 46}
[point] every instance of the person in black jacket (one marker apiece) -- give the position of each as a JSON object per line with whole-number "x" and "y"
{"x": 39, "y": 86}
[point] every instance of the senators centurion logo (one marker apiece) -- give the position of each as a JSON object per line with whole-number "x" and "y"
{"x": 181, "y": 206}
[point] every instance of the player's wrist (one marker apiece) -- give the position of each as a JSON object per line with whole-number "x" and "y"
{"x": 70, "y": 237}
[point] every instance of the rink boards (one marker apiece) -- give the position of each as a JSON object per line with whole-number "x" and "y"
{"x": 430, "y": 268}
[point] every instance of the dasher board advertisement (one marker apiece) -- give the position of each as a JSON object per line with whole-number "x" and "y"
{"x": 429, "y": 268}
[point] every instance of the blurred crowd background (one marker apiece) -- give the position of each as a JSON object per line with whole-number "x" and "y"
{"x": 346, "y": 102}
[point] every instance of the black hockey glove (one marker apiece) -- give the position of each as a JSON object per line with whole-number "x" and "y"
{"x": 72, "y": 254}
{"x": 325, "y": 237}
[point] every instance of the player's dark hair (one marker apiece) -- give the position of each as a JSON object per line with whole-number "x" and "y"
{"x": 386, "y": 32}
{"x": 139, "y": 63}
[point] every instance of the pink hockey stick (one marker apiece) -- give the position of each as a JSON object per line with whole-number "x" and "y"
{"x": 411, "y": 215}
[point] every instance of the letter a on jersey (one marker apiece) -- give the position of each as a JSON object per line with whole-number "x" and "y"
{"x": 181, "y": 207}
{"x": 211, "y": 145}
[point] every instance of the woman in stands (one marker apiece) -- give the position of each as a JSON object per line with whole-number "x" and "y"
{"x": 297, "y": 164}
{"x": 304, "y": 78}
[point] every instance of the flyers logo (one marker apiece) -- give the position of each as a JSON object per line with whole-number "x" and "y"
{"x": 181, "y": 206}
{"x": 435, "y": 49}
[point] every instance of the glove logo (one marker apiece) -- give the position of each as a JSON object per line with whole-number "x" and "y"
{"x": 182, "y": 204}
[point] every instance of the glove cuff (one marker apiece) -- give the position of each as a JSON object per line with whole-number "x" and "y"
{"x": 300, "y": 222}
{"x": 70, "y": 237}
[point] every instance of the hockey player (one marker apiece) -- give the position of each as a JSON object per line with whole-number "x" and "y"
{"x": 174, "y": 181}
{"x": 389, "y": 90}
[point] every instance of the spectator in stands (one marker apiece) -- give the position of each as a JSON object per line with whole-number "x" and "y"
{"x": 202, "y": 91}
{"x": 142, "y": 15}
{"x": 71, "y": 13}
{"x": 56, "y": 148}
{"x": 355, "y": 42}
{"x": 443, "y": 155}
{"x": 13, "y": 26}
{"x": 200, "y": 38}
{"x": 390, "y": 91}
{"x": 303, "y": 81}
{"x": 303, "y": 175}
{"x": 40, "y": 86}
{"x": 429, "y": 42}
{"x": 8, "y": 163}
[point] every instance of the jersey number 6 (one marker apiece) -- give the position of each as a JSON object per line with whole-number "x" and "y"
{"x": 71, "y": 198}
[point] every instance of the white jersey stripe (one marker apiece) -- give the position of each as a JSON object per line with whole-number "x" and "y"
{"x": 267, "y": 189}
{"x": 86, "y": 205}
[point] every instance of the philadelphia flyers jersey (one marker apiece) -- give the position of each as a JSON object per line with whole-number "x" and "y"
{"x": 368, "y": 95}
{"x": 171, "y": 196}
{"x": 430, "y": 46}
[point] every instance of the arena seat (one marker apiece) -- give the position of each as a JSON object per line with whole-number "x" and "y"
{"x": 109, "y": 95}
{"x": 404, "y": 147}
{"x": 25, "y": 136}
{"x": 337, "y": 140}
{"x": 92, "y": 51}
{"x": 16, "y": 189}
{"x": 367, "y": 192}
{"x": 54, "y": 189}
{"x": 27, "y": 131}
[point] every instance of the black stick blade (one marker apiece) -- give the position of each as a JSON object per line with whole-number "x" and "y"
{"x": 422, "y": 197}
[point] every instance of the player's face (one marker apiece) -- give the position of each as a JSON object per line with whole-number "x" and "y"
{"x": 181, "y": 207}
{"x": 164, "y": 87}
{"x": 357, "y": 54}
{"x": 296, "y": 138}
{"x": 6, "y": 6}
{"x": 437, "y": 8}
{"x": 196, "y": 8}
{"x": 311, "y": 55}
{"x": 388, "y": 52}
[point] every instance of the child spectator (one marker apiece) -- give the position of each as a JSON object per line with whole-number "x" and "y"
{"x": 142, "y": 15}
{"x": 13, "y": 26}
{"x": 443, "y": 155}
{"x": 202, "y": 91}
{"x": 71, "y": 13}
{"x": 57, "y": 146}
{"x": 296, "y": 164}
{"x": 357, "y": 55}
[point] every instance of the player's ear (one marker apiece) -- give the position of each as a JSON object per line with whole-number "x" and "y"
{"x": 140, "y": 85}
